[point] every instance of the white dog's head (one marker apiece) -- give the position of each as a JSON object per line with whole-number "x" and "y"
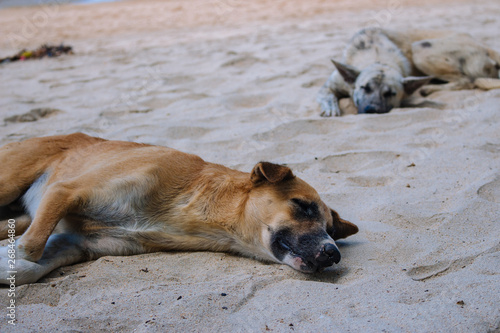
{"x": 378, "y": 88}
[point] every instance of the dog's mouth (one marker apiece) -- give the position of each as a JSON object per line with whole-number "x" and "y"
{"x": 302, "y": 263}
{"x": 371, "y": 109}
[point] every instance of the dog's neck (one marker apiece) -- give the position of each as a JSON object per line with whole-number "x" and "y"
{"x": 234, "y": 211}
{"x": 219, "y": 200}
{"x": 222, "y": 193}
{"x": 214, "y": 211}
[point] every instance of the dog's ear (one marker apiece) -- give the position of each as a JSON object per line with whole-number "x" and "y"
{"x": 495, "y": 60}
{"x": 348, "y": 72}
{"x": 341, "y": 228}
{"x": 273, "y": 173}
{"x": 412, "y": 83}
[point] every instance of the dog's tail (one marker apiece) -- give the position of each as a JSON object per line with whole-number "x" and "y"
{"x": 487, "y": 83}
{"x": 23, "y": 162}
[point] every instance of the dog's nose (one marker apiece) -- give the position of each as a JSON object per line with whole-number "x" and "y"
{"x": 332, "y": 252}
{"x": 329, "y": 254}
{"x": 370, "y": 109}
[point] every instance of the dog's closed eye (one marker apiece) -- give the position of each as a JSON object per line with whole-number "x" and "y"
{"x": 389, "y": 94}
{"x": 305, "y": 209}
{"x": 367, "y": 89}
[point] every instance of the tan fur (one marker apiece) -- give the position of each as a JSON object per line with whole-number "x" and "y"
{"x": 456, "y": 58}
{"x": 120, "y": 198}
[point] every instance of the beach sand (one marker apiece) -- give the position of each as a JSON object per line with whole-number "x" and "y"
{"x": 235, "y": 82}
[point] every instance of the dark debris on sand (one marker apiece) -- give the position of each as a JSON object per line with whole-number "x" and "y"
{"x": 41, "y": 52}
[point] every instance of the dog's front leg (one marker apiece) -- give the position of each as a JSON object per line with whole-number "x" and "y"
{"x": 61, "y": 250}
{"x": 327, "y": 97}
{"x": 57, "y": 200}
{"x": 329, "y": 105}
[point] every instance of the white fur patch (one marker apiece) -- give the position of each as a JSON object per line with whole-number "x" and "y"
{"x": 31, "y": 200}
{"x": 294, "y": 262}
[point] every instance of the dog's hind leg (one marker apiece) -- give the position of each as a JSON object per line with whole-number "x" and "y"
{"x": 49, "y": 205}
{"x": 12, "y": 186}
{"x": 487, "y": 83}
{"x": 24, "y": 162}
{"x": 69, "y": 248}
{"x": 20, "y": 223}
{"x": 61, "y": 250}
{"x": 460, "y": 84}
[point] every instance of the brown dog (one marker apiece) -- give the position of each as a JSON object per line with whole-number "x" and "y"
{"x": 87, "y": 197}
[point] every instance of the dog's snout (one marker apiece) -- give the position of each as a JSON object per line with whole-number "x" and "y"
{"x": 329, "y": 254}
{"x": 370, "y": 109}
{"x": 332, "y": 252}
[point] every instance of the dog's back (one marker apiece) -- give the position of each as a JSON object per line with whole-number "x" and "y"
{"x": 373, "y": 45}
{"x": 27, "y": 160}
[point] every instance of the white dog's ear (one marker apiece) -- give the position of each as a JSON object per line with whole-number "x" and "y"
{"x": 412, "y": 83}
{"x": 348, "y": 72}
{"x": 495, "y": 60}
{"x": 273, "y": 173}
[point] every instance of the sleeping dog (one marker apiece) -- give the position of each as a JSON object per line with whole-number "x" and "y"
{"x": 382, "y": 68}
{"x": 86, "y": 197}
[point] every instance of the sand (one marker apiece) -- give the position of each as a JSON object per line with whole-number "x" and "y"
{"x": 235, "y": 82}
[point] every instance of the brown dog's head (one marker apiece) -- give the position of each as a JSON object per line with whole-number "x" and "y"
{"x": 298, "y": 229}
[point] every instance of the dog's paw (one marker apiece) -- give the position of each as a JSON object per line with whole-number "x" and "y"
{"x": 26, "y": 250}
{"x": 7, "y": 264}
{"x": 326, "y": 113}
{"x": 16, "y": 271}
{"x": 329, "y": 105}
{"x": 330, "y": 111}
{"x": 426, "y": 91}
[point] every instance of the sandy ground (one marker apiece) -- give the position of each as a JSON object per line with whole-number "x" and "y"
{"x": 235, "y": 82}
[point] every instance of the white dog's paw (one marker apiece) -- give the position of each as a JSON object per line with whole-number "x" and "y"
{"x": 7, "y": 263}
{"x": 430, "y": 89}
{"x": 14, "y": 250}
{"x": 14, "y": 271}
{"x": 329, "y": 107}
{"x": 326, "y": 113}
{"x": 330, "y": 112}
